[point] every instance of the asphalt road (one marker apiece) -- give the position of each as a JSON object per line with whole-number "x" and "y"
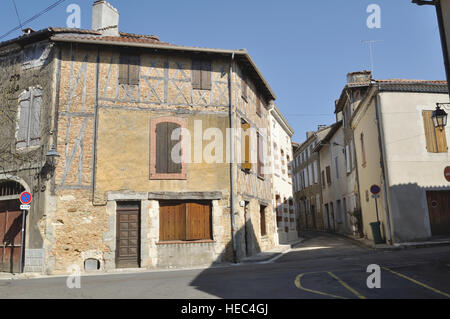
{"x": 324, "y": 266}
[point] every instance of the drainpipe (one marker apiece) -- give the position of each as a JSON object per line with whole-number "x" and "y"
{"x": 383, "y": 165}
{"x": 94, "y": 160}
{"x": 232, "y": 197}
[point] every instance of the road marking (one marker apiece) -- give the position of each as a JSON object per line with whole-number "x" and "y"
{"x": 343, "y": 283}
{"x": 299, "y": 286}
{"x": 418, "y": 283}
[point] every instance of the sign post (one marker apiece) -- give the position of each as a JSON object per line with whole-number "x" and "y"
{"x": 376, "y": 231}
{"x": 25, "y": 199}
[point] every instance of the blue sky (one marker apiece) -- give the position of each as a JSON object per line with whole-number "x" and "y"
{"x": 304, "y": 48}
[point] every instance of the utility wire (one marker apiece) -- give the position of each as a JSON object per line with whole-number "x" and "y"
{"x": 17, "y": 13}
{"x": 19, "y": 27}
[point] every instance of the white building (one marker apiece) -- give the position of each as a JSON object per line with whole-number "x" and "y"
{"x": 399, "y": 149}
{"x": 281, "y": 152}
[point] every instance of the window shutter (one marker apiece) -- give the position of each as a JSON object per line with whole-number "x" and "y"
{"x": 206, "y": 75}
{"x": 244, "y": 87}
{"x": 328, "y": 170}
{"x": 172, "y": 221}
{"x": 247, "y": 164}
{"x": 259, "y": 154}
{"x": 123, "y": 69}
{"x": 172, "y": 167}
{"x": 262, "y": 211}
{"x": 258, "y": 105}
{"x": 430, "y": 132}
{"x": 133, "y": 69}
{"x": 35, "y": 118}
{"x": 441, "y": 140}
{"x": 24, "y": 113}
{"x": 198, "y": 221}
{"x": 196, "y": 74}
{"x": 161, "y": 148}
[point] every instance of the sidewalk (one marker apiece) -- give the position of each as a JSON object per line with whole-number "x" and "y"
{"x": 269, "y": 255}
{"x": 398, "y": 246}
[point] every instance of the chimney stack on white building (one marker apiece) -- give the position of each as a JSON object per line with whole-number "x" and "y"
{"x": 105, "y": 18}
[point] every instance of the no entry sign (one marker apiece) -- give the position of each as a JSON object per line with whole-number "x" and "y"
{"x": 375, "y": 189}
{"x": 25, "y": 198}
{"x": 447, "y": 173}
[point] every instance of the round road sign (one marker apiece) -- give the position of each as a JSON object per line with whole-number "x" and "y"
{"x": 375, "y": 189}
{"x": 447, "y": 173}
{"x": 25, "y": 198}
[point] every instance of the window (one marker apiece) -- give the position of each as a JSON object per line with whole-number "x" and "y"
{"x": 310, "y": 174}
{"x": 435, "y": 137}
{"x": 246, "y": 165}
{"x": 328, "y": 172}
{"x": 348, "y": 158}
{"x": 201, "y": 75}
{"x": 163, "y": 165}
{"x": 260, "y": 156}
{"x": 185, "y": 221}
{"x": 35, "y": 55}
{"x": 262, "y": 214}
{"x": 363, "y": 151}
{"x": 316, "y": 173}
{"x": 339, "y": 212}
{"x": 244, "y": 88}
{"x": 29, "y": 118}
{"x": 129, "y": 69}
{"x": 323, "y": 180}
{"x": 336, "y": 163}
{"x": 258, "y": 106}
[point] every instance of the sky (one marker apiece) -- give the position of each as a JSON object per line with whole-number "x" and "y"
{"x": 304, "y": 48}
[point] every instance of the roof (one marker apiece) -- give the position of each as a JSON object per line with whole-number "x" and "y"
{"x": 334, "y": 128}
{"x": 395, "y": 85}
{"x": 276, "y": 113}
{"x": 142, "y": 41}
{"x": 312, "y": 136}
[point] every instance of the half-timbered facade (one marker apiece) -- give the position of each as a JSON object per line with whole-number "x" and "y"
{"x": 151, "y": 172}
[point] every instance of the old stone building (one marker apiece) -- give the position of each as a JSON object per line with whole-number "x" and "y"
{"x": 307, "y": 181}
{"x": 163, "y": 150}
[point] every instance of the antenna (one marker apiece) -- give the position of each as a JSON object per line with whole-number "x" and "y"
{"x": 371, "y": 43}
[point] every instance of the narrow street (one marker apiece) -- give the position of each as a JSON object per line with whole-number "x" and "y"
{"x": 323, "y": 266}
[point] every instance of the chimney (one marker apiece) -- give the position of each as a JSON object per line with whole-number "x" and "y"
{"x": 361, "y": 77}
{"x": 105, "y": 18}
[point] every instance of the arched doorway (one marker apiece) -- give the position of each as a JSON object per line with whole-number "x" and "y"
{"x": 10, "y": 225}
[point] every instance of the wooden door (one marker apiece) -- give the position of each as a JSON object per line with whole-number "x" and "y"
{"x": 439, "y": 212}
{"x": 128, "y": 236}
{"x": 10, "y": 235}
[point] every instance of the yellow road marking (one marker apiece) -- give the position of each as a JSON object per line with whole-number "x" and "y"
{"x": 343, "y": 283}
{"x": 418, "y": 283}
{"x": 299, "y": 286}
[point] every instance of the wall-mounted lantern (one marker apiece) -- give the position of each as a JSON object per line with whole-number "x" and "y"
{"x": 440, "y": 116}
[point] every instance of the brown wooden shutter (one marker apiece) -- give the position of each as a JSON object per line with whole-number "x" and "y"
{"x": 172, "y": 221}
{"x": 206, "y": 75}
{"x": 198, "y": 221}
{"x": 323, "y": 179}
{"x": 133, "y": 70}
{"x": 246, "y": 147}
{"x": 123, "y": 69}
{"x": 172, "y": 167}
{"x": 196, "y": 74}
{"x": 435, "y": 137}
{"x": 430, "y": 132}
{"x": 161, "y": 148}
{"x": 441, "y": 140}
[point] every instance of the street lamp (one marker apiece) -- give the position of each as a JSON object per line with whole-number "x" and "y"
{"x": 439, "y": 116}
{"x": 51, "y": 156}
